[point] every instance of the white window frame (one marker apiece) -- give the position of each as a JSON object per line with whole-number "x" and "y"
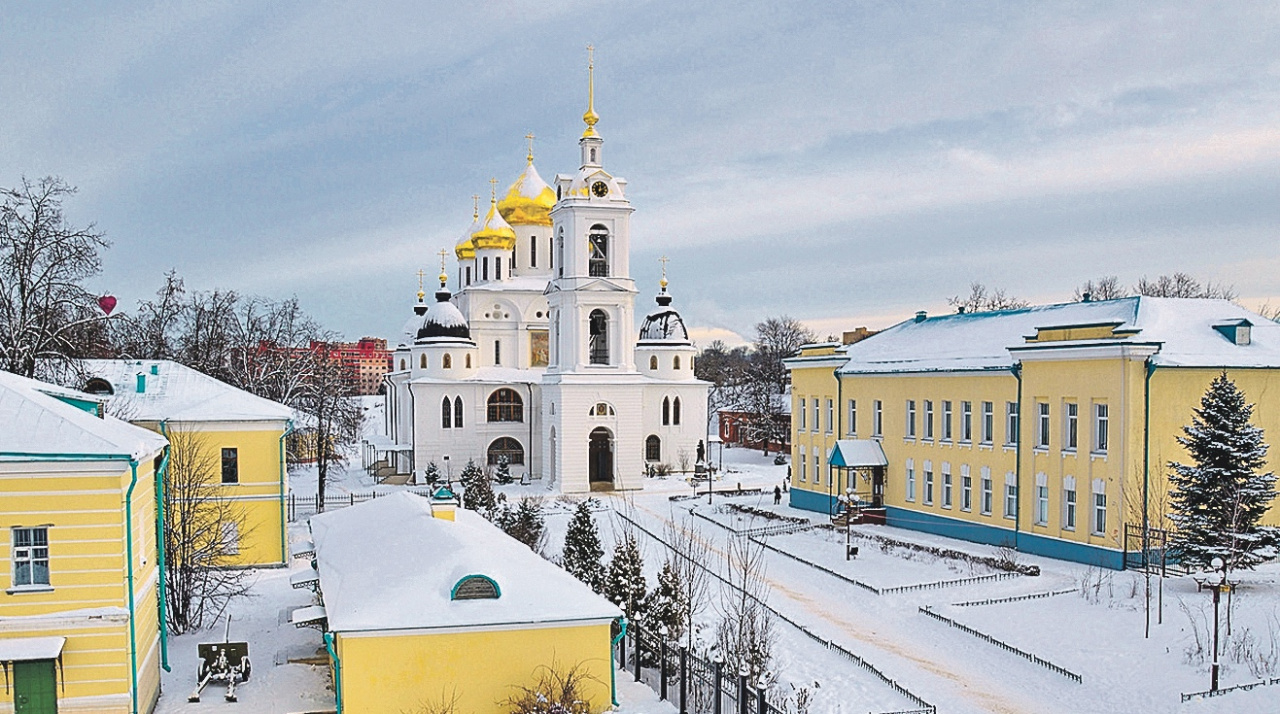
{"x": 852, "y": 428}
{"x": 966, "y": 422}
{"x": 877, "y": 419}
{"x": 804, "y": 466}
{"x": 817, "y": 468}
{"x": 911, "y": 480}
{"x": 817, "y": 415}
{"x": 1101, "y": 427}
{"x": 31, "y": 555}
{"x": 911, "y": 418}
{"x": 966, "y": 488}
{"x": 831, "y": 416}
{"x": 946, "y": 420}
{"x": 1069, "y": 503}
{"x": 1010, "y": 495}
{"x": 1012, "y": 414}
{"x": 1042, "y": 425}
{"x": 1098, "y": 510}
{"x": 988, "y": 422}
{"x": 1070, "y": 426}
{"x": 1042, "y": 499}
{"x": 946, "y": 484}
{"x": 928, "y": 483}
{"x": 928, "y": 420}
{"x": 988, "y": 493}
{"x": 804, "y": 406}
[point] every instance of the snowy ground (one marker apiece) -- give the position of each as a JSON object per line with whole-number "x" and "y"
{"x": 1097, "y": 634}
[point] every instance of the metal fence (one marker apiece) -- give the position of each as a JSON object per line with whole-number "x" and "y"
{"x": 693, "y": 683}
{"x": 1015, "y": 598}
{"x": 1227, "y": 690}
{"x": 303, "y": 506}
{"x": 1004, "y": 646}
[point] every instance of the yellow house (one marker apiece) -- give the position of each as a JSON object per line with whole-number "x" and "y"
{"x": 1048, "y": 429}
{"x": 422, "y": 609}
{"x": 80, "y": 615}
{"x": 240, "y": 437}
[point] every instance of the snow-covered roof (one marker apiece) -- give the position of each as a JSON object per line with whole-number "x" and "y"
{"x": 388, "y": 564}
{"x": 1182, "y": 328}
{"x": 178, "y": 393}
{"x": 41, "y": 424}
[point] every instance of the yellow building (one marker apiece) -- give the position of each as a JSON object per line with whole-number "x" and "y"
{"x": 239, "y": 437}
{"x": 80, "y": 618}
{"x": 427, "y": 604}
{"x": 1048, "y": 429}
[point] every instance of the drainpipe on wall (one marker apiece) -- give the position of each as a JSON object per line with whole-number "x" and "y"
{"x": 840, "y": 419}
{"x": 337, "y": 670}
{"x": 1017, "y": 458}
{"x": 160, "y": 550}
{"x": 1146, "y": 455}
{"x": 613, "y": 664}
{"x": 284, "y": 533}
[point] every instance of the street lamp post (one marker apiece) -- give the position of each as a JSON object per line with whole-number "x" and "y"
{"x": 1217, "y": 588}
{"x": 848, "y": 519}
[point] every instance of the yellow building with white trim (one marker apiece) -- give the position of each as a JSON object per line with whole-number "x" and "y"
{"x": 424, "y": 603}
{"x": 80, "y": 615}
{"x": 240, "y": 434}
{"x": 1048, "y": 429}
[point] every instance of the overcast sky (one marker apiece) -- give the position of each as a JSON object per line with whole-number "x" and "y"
{"x": 846, "y": 163}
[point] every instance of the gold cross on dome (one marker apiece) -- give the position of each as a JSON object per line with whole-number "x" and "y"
{"x": 421, "y": 273}
{"x": 529, "y": 136}
{"x": 493, "y": 189}
{"x": 591, "y": 56}
{"x": 664, "y": 260}
{"x": 444, "y": 255}
{"x": 475, "y": 206}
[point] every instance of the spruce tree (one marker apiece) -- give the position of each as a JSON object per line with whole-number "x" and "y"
{"x": 625, "y": 584}
{"x": 477, "y": 493}
{"x": 433, "y": 473}
{"x": 503, "y": 472}
{"x": 1221, "y": 496}
{"x": 525, "y": 522}
{"x": 583, "y": 555}
{"x": 665, "y": 606}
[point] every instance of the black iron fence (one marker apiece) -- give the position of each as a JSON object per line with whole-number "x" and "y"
{"x": 1004, "y": 646}
{"x": 694, "y": 684}
{"x": 1227, "y": 690}
{"x": 302, "y": 506}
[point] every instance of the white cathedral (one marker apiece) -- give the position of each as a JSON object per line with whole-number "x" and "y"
{"x": 537, "y": 361}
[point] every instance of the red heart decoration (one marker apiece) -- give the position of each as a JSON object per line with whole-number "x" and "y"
{"x": 107, "y": 303}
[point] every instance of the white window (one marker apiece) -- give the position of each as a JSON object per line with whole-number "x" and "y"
{"x": 1042, "y": 499}
{"x": 877, "y": 418}
{"x": 817, "y": 468}
{"x": 911, "y": 479}
{"x": 852, "y": 428}
{"x": 946, "y": 420}
{"x": 966, "y": 421}
{"x": 1010, "y": 495}
{"x": 1042, "y": 425}
{"x": 1071, "y": 431}
{"x": 988, "y": 422}
{"x": 1099, "y": 507}
{"x": 817, "y": 424}
{"x": 803, "y": 407}
{"x": 911, "y": 418}
{"x": 1100, "y": 428}
{"x": 966, "y": 488}
{"x": 946, "y": 484}
{"x": 831, "y": 416}
{"x": 986, "y": 490}
{"x": 928, "y": 483}
{"x": 928, "y": 419}
{"x": 804, "y": 463}
{"x": 1069, "y": 503}
{"x": 1010, "y": 423}
{"x": 30, "y": 556}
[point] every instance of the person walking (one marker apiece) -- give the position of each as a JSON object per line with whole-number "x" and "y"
{"x": 777, "y": 495}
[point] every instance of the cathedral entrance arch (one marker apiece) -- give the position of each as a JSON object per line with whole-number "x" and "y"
{"x": 600, "y": 459}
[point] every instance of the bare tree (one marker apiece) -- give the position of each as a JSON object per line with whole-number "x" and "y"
{"x": 1181, "y": 285}
{"x": 746, "y": 634}
{"x": 982, "y": 299}
{"x": 777, "y": 338}
{"x": 46, "y": 315}
{"x": 202, "y": 532}
{"x": 1107, "y": 287}
{"x": 765, "y": 410}
{"x": 333, "y": 418}
{"x": 687, "y": 554}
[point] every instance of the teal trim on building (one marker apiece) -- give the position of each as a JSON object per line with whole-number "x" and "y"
{"x": 810, "y": 501}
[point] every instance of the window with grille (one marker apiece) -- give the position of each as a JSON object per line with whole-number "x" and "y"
{"x": 30, "y": 556}
{"x": 505, "y": 405}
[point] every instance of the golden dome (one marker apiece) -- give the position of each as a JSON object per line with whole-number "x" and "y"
{"x": 529, "y": 200}
{"x": 495, "y": 233}
{"x": 466, "y": 249}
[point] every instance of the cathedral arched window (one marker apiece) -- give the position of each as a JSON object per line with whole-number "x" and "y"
{"x": 675, "y": 362}
{"x": 98, "y": 385}
{"x": 457, "y": 412}
{"x": 505, "y": 447}
{"x": 593, "y": 156}
{"x": 675, "y": 412}
{"x": 505, "y": 405}
{"x": 560, "y": 251}
{"x": 423, "y": 361}
{"x": 666, "y": 411}
{"x": 653, "y": 448}
{"x": 468, "y": 275}
{"x": 446, "y": 414}
{"x": 468, "y": 360}
{"x": 598, "y": 343}
{"x": 447, "y": 361}
{"x": 497, "y": 267}
{"x": 533, "y": 252}
{"x": 653, "y": 362}
{"x": 598, "y": 244}
{"x": 403, "y": 366}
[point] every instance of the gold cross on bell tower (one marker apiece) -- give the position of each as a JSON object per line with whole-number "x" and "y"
{"x": 475, "y": 206}
{"x": 590, "y": 117}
